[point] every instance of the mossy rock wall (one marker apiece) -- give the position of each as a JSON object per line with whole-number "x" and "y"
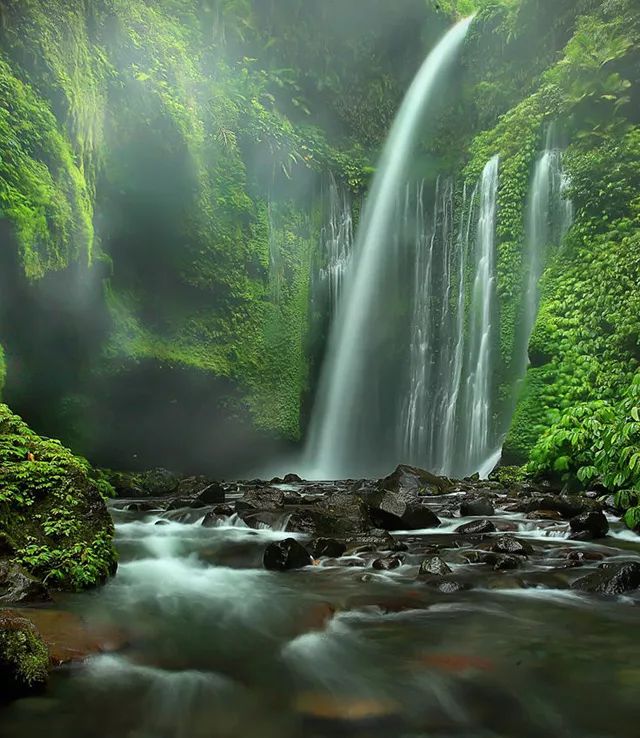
{"x": 53, "y": 516}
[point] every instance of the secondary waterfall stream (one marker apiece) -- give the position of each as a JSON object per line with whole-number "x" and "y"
{"x": 348, "y": 406}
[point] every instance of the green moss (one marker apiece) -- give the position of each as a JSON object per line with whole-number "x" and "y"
{"x": 24, "y": 659}
{"x": 51, "y": 508}
{"x": 42, "y": 191}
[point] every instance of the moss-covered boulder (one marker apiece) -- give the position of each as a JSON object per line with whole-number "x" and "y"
{"x": 24, "y": 659}
{"x": 53, "y": 517}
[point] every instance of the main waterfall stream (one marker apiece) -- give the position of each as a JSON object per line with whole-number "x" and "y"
{"x": 353, "y": 401}
{"x": 214, "y": 645}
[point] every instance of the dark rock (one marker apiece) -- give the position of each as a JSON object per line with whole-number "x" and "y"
{"x": 373, "y": 540}
{"x": 292, "y": 479}
{"x": 210, "y": 520}
{"x": 613, "y": 579}
{"x": 419, "y": 517}
{"x": 508, "y": 544}
{"x": 451, "y": 586}
{"x": 262, "y": 499}
{"x": 286, "y": 555}
{"x": 338, "y": 515}
{"x": 277, "y": 480}
{"x": 479, "y": 507}
{"x": 386, "y": 564}
{"x": 261, "y": 519}
{"x": 434, "y": 566}
{"x": 414, "y": 482}
{"x": 17, "y": 585}
{"x": 544, "y": 515}
{"x": 594, "y": 524}
{"x": 393, "y": 511}
{"x": 476, "y": 527}
{"x": 211, "y": 494}
{"x": 567, "y": 505}
{"x": 327, "y": 547}
{"x": 140, "y": 507}
{"x": 163, "y": 522}
{"x": 504, "y": 562}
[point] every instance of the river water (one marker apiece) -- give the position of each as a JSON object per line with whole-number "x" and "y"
{"x": 218, "y": 647}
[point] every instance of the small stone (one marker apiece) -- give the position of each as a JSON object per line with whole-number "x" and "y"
{"x": 286, "y": 555}
{"x": 327, "y": 547}
{"x": 544, "y": 515}
{"x": 508, "y": 544}
{"x": 434, "y": 566}
{"x": 391, "y": 562}
{"x": 476, "y": 527}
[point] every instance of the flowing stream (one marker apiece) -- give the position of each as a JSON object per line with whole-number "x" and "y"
{"x": 217, "y": 646}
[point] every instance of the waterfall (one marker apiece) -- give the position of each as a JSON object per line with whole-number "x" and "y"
{"x": 336, "y": 242}
{"x": 353, "y": 398}
{"x": 435, "y": 361}
{"x": 483, "y": 329}
{"x": 549, "y": 217}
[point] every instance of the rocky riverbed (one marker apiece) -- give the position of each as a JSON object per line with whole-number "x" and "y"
{"x": 411, "y": 605}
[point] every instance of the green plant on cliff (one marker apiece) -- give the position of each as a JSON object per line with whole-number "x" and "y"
{"x": 52, "y": 515}
{"x": 598, "y": 441}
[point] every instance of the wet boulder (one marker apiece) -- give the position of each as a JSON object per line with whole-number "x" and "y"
{"x": 212, "y": 494}
{"x": 392, "y": 511}
{"x": 567, "y": 505}
{"x": 544, "y": 515}
{"x": 286, "y": 555}
{"x": 375, "y": 539}
{"x": 387, "y": 563}
{"x": 611, "y": 579}
{"x": 589, "y": 525}
{"x": 338, "y": 515}
{"x": 24, "y": 659}
{"x": 292, "y": 479}
{"x": 480, "y": 507}
{"x": 409, "y": 481}
{"x": 266, "y": 499}
{"x": 17, "y": 585}
{"x": 512, "y": 546}
{"x": 476, "y": 527}
{"x": 327, "y": 547}
{"x": 434, "y": 566}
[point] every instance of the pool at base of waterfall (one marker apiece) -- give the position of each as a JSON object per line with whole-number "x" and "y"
{"x": 214, "y": 645}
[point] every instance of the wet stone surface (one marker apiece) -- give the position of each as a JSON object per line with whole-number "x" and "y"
{"x": 412, "y": 606}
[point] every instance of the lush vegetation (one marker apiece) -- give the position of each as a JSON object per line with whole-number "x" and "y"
{"x": 53, "y": 519}
{"x": 178, "y": 150}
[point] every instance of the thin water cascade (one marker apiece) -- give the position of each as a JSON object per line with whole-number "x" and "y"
{"x": 353, "y": 399}
{"x": 336, "y": 238}
{"x": 447, "y": 419}
{"x": 482, "y": 329}
{"x": 549, "y": 217}
{"x": 435, "y": 363}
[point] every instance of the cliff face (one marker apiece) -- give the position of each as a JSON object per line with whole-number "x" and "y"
{"x": 162, "y": 167}
{"x": 163, "y": 175}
